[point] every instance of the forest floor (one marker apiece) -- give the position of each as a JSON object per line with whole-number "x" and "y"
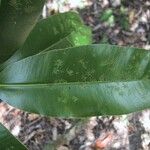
{"x": 118, "y": 22}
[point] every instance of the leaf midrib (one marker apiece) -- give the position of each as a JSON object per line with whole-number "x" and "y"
{"x": 70, "y": 83}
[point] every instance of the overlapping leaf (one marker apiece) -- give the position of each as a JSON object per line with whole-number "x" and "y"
{"x": 8, "y": 142}
{"x": 59, "y": 31}
{"x": 80, "y": 81}
{"x": 17, "y": 18}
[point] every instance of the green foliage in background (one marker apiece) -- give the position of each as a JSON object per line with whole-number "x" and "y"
{"x": 49, "y": 67}
{"x": 121, "y": 18}
{"x": 108, "y": 17}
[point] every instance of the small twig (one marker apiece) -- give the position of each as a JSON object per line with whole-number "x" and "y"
{"x": 29, "y": 137}
{"x": 34, "y": 122}
{"x": 32, "y": 135}
{"x": 97, "y": 27}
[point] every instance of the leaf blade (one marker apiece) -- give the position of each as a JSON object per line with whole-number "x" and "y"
{"x": 53, "y": 29}
{"x": 17, "y": 18}
{"x": 8, "y": 141}
{"x": 81, "y": 81}
{"x": 81, "y": 100}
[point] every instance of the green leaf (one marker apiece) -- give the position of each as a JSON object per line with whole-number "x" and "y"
{"x": 123, "y": 18}
{"x": 17, "y": 18}
{"x": 106, "y": 15}
{"x": 82, "y": 36}
{"x": 8, "y": 141}
{"x": 80, "y": 81}
{"x": 124, "y": 22}
{"x": 64, "y": 30}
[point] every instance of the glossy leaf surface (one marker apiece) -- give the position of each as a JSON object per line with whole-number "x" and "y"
{"x": 17, "y": 18}
{"x": 80, "y": 81}
{"x": 58, "y": 31}
{"x": 8, "y": 141}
